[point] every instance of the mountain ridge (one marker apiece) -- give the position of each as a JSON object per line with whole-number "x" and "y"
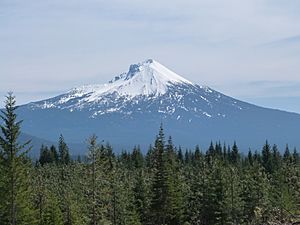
{"x": 148, "y": 78}
{"x": 128, "y": 110}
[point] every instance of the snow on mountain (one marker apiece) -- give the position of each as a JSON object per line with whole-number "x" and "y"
{"x": 147, "y": 87}
{"x": 129, "y": 109}
{"x": 146, "y": 78}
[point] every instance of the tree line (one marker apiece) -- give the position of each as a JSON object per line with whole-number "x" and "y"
{"x": 165, "y": 186}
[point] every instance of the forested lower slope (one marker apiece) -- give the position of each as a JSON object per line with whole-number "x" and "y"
{"x": 165, "y": 186}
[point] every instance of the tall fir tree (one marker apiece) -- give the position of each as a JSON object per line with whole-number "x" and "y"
{"x": 197, "y": 183}
{"x": 174, "y": 195}
{"x": 234, "y": 202}
{"x": 287, "y": 155}
{"x": 267, "y": 158}
{"x": 140, "y": 192}
{"x": 250, "y": 157}
{"x": 53, "y": 154}
{"x": 98, "y": 184}
{"x": 16, "y": 206}
{"x": 255, "y": 194}
{"x": 159, "y": 186}
{"x": 137, "y": 158}
{"x": 52, "y": 213}
{"x": 235, "y": 155}
{"x": 45, "y": 155}
{"x": 63, "y": 149}
{"x": 95, "y": 213}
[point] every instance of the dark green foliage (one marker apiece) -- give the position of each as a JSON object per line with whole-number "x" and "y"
{"x": 296, "y": 157}
{"x": 267, "y": 157}
{"x": 46, "y": 202}
{"x": 44, "y": 155}
{"x": 100, "y": 188}
{"x": 158, "y": 205}
{"x": 137, "y": 158}
{"x": 180, "y": 155}
{"x": 140, "y": 192}
{"x": 220, "y": 187}
{"x": 48, "y": 155}
{"x": 63, "y": 150}
{"x": 52, "y": 213}
{"x": 275, "y": 159}
{"x": 250, "y": 158}
{"x": 287, "y": 155}
{"x": 92, "y": 176}
{"x": 53, "y": 154}
{"x": 197, "y": 181}
{"x": 165, "y": 187}
{"x": 167, "y": 200}
{"x": 235, "y": 155}
{"x": 174, "y": 209}
{"x": 15, "y": 189}
{"x": 198, "y": 154}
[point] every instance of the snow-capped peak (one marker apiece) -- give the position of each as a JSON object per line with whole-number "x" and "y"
{"x": 151, "y": 69}
{"x": 146, "y": 78}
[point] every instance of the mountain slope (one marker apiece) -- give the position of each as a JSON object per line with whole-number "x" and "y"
{"x": 128, "y": 110}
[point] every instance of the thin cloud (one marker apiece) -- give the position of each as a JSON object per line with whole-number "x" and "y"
{"x": 291, "y": 41}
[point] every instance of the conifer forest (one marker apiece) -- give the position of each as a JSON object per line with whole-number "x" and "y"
{"x": 166, "y": 185}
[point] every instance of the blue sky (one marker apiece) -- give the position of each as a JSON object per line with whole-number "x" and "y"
{"x": 247, "y": 49}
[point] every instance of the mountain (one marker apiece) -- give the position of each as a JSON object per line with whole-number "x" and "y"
{"x": 128, "y": 111}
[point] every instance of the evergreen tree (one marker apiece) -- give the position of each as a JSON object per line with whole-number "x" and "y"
{"x": 210, "y": 154}
{"x": 214, "y": 198}
{"x": 255, "y": 194}
{"x": 257, "y": 157}
{"x": 64, "y": 156}
{"x": 140, "y": 193}
{"x": 45, "y": 155}
{"x": 39, "y": 188}
{"x": 68, "y": 194}
{"x": 267, "y": 158}
{"x": 123, "y": 210}
{"x": 52, "y": 214}
{"x": 93, "y": 175}
{"x": 15, "y": 192}
{"x": 296, "y": 157}
{"x": 287, "y": 155}
{"x": 198, "y": 188}
{"x": 235, "y": 156}
{"x": 150, "y": 157}
{"x": 275, "y": 159}
{"x": 137, "y": 158}
{"x": 158, "y": 206}
{"x": 174, "y": 198}
{"x": 234, "y": 202}
{"x": 54, "y": 154}
{"x": 188, "y": 156}
{"x": 100, "y": 183}
{"x": 281, "y": 196}
{"x": 250, "y": 158}
{"x": 197, "y": 156}
{"x": 224, "y": 152}
{"x": 218, "y": 149}
{"x": 180, "y": 155}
